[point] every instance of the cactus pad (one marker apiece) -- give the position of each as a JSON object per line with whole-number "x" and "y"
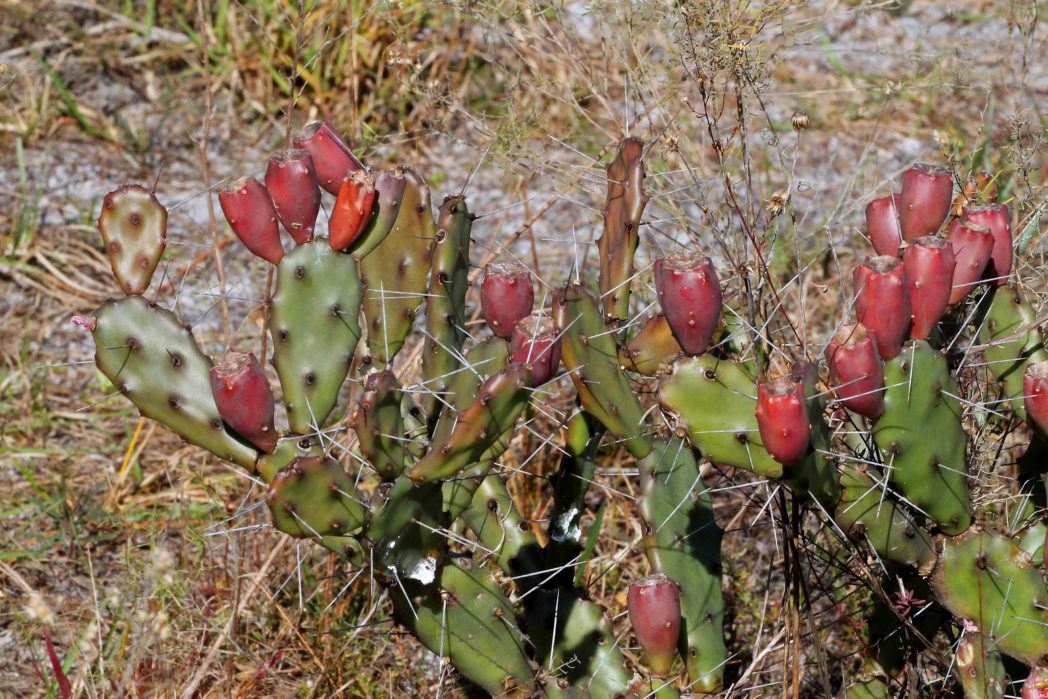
{"x": 395, "y": 272}
{"x": 154, "y": 361}
{"x": 473, "y": 623}
{"x": 622, "y": 211}
{"x": 682, "y": 539}
{"x": 727, "y": 435}
{"x": 589, "y": 353}
{"x": 134, "y": 229}
{"x": 313, "y": 497}
{"x": 379, "y": 424}
{"x": 446, "y": 300}
{"x": 985, "y": 578}
{"x": 921, "y": 437}
{"x": 866, "y": 513}
{"x": 485, "y": 423}
{"x": 1007, "y": 313}
{"x": 315, "y": 330}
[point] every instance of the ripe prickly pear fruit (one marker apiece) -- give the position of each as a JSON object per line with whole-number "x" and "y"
{"x": 535, "y": 343}
{"x": 332, "y": 157}
{"x": 654, "y": 608}
{"x": 690, "y": 296}
{"x": 1035, "y": 393}
{"x": 354, "y": 208}
{"x": 882, "y": 224}
{"x": 1036, "y": 684}
{"x": 506, "y": 296}
{"x": 250, "y": 213}
{"x": 855, "y": 370}
{"x": 133, "y": 225}
{"x": 927, "y": 192}
{"x": 972, "y": 246}
{"x": 244, "y": 399}
{"x": 929, "y": 264}
{"x": 882, "y": 302}
{"x": 782, "y": 418}
{"x": 995, "y": 217}
{"x": 291, "y": 179}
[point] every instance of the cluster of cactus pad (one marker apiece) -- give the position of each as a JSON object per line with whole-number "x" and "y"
{"x": 396, "y": 464}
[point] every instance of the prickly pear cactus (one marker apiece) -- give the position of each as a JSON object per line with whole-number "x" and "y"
{"x": 401, "y": 453}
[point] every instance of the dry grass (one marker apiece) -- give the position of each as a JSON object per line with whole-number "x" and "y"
{"x": 116, "y": 540}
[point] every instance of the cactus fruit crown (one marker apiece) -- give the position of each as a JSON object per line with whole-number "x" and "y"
{"x": 897, "y": 481}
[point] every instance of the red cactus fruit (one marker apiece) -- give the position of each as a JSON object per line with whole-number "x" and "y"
{"x": 1035, "y": 393}
{"x": 996, "y": 218}
{"x": 292, "y": 183}
{"x": 927, "y": 192}
{"x": 882, "y": 302}
{"x": 690, "y": 295}
{"x": 354, "y": 208}
{"x": 882, "y": 224}
{"x": 250, "y": 213}
{"x": 972, "y": 246}
{"x": 654, "y": 608}
{"x": 506, "y": 296}
{"x": 929, "y": 263}
{"x": 1036, "y": 684}
{"x": 782, "y": 418}
{"x": 855, "y": 370}
{"x": 536, "y": 343}
{"x": 244, "y": 398}
{"x": 332, "y": 157}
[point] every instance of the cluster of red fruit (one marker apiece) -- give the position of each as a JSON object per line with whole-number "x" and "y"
{"x": 896, "y": 297}
{"x": 291, "y": 195}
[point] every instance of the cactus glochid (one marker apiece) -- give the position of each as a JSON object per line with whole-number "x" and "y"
{"x": 395, "y": 446}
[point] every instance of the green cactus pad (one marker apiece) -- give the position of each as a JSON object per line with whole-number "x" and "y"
{"x": 867, "y": 513}
{"x": 473, "y": 624}
{"x": 592, "y": 359}
{"x": 458, "y": 492}
{"x": 868, "y": 689}
{"x": 985, "y": 578}
{"x": 1005, "y": 312}
{"x": 978, "y": 666}
{"x": 133, "y": 225}
{"x": 394, "y": 274}
{"x": 287, "y": 450}
{"x": 622, "y": 211}
{"x": 389, "y": 191}
{"x": 482, "y": 361}
{"x": 446, "y": 300}
{"x": 315, "y": 330}
{"x": 313, "y": 497}
{"x": 727, "y": 433}
{"x": 379, "y": 424}
{"x": 682, "y": 540}
{"x": 153, "y": 360}
{"x": 484, "y": 425}
{"x": 921, "y": 438}
{"x": 651, "y": 348}
{"x": 504, "y": 534}
{"x": 575, "y": 646}
{"x": 405, "y": 533}
{"x": 345, "y": 547}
